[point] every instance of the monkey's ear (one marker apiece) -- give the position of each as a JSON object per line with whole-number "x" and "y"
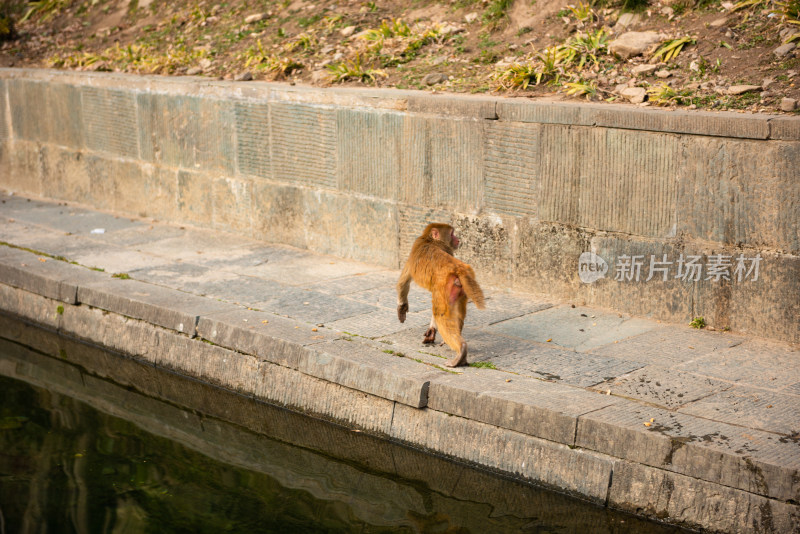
{"x": 435, "y": 233}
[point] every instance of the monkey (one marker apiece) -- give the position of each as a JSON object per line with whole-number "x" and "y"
{"x": 451, "y": 282}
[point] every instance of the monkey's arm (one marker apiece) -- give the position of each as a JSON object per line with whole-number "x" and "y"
{"x": 403, "y": 285}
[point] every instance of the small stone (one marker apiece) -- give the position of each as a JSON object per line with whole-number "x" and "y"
{"x": 243, "y": 77}
{"x": 784, "y": 50}
{"x": 627, "y": 20}
{"x": 636, "y": 95}
{"x": 694, "y": 86}
{"x": 258, "y": 17}
{"x": 434, "y": 78}
{"x": 347, "y": 31}
{"x": 205, "y": 63}
{"x": 667, "y": 11}
{"x": 788, "y": 104}
{"x": 742, "y": 89}
{"x": 194, "y": 71}
{"x": 639, "y": 70}
{"x": 471, "y": 17}
{"x": 438, "y": 60}
{"x": 663, "y": 73}
{"x": 718, "y": 23}
{"x": 634, "y": 43}
{"x": 320, "y": 76}
{"x": 767, "y": 83}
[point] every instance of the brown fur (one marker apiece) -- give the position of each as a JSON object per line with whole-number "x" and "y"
{"x": 451, "y": 282}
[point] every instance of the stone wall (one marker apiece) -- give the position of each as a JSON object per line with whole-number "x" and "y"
{"x": 686, "y": 213}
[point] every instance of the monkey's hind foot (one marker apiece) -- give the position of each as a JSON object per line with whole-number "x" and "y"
{"x": 460, "y": 358}
{"x": 430, "y": 336}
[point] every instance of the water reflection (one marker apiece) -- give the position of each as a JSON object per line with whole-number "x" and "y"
{"x": 92, "y": 442}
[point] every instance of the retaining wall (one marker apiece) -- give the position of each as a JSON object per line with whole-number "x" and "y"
{"x": 685, "y": 214}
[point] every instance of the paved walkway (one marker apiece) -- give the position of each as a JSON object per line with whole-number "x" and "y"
{"x": 735, "y": 398}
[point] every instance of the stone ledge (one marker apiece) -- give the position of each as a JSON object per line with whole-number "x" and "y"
{"x": 158, "y": 305}
{"x": 694, "y": 503}
{"x": 699, "y": 448}
{"x": 43, "y": 275}
{"x": 533, "y": 407}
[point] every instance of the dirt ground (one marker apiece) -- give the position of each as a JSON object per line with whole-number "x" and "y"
{"x": 742, "y": 56}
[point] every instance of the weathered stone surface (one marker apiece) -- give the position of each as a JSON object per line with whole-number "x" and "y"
{"x": 554, "y": 465}
{"x": 273, "y": 338}
{"x": 533, "y": 407}
{"x": 512, "y": 171}
{"x": 486, "y": 246}
{"x": 476, "y": 107}
{"x": 365, "y": 367}
{"x": 59, "y": 122}
{"x": 43, "y": 275}
{"x": 369, "y": 151}
{"x": 186, "y": 131}
{"x": 252, "y": 139}
{"x": 22, "y": 167}
{"x": 787, "y": 128}
{"x": 696, "y": 447}
{"x": 303, "y": 144}
{"x": 109, "y": 116}
{"x": 165, "y": 307}
{"x": 442, "y": 163}
{"x": 41, "y": 310}
{"x": 545, "y": 112}
{"x": 232, "y": 201}
{"x": 680, "y": 499}
{"x": 635, "y": 94}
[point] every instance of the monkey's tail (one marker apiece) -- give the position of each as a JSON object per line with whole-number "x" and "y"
{"x": 471, "y": 287}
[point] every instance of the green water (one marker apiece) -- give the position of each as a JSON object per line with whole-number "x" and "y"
{"x": 153, "y": 452}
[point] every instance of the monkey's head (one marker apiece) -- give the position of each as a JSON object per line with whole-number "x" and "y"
{"x": 442, "y": 232}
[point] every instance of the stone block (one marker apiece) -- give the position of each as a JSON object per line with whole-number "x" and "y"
{"x": 109, "y": 118}
{"x": 33, "y": 307}
{"x": 232, "y": 201}
{"x": 787, "y": 128}
{"x": 442, "y": 163}
{"x": 5, "y": 124}
{"x": 696, "y": 447}
{"x": 373, "y": 228}
{"x": 157, "y": 305}
{"x": 252, "y": 139}
{"x": 741, "y": 192}
{"x": 275, "y": 339}
{"x": 696, "y": 504}
{"x": 722, "y": 124}
{"x": 623, "y": 181}
{"x": 473, "y": 107}
{"x": 46, "y": 112}
{"x": 363, "y": 366}
{"x": 530, "y": 406}
{"x": 278, "y": 214}
{"x": 194, "y": 198}
{"x": 117, "y": 184}
{"x": 303, "y": 144}
{"x": 545, "y": 112}
{"x": 189, "y": 132}
{"x": 312, "y": 306}
{"x": 578, "y": 472}
{"x": 369, "y": 152}
{"x": 511, "y": 154}
{"x": 487, "y": 246}
{"x": 45, "y": 276}
{"x": 22, "y": 167}
{"x": 66, "y": 174}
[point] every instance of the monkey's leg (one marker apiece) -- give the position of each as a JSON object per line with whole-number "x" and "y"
{"x": 450, "y": 324}
{"x": 430, "y": 333}
{"x": 403, "y": 285}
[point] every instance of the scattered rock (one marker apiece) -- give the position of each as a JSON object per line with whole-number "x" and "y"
{"x": 205, "y": 63}
{"x": 347, "y": 31}
{"x": 788, "y": 104}
{"x": 635, "y": 94}
{"x": 694, "y": 86}
{"x": 767, "y": 83}
{"x": 434, "y": 78}
{"x": 784, "y": 50}
{"x": 320, "y": 76}
{"x": 663, "y": 73}
{"x": 627, "y": 20}
{"x": 634, "y": 43}
{"x": 258, "y": 17}
{"x": 243, "y": 77}
{"x": 451, "y": 29}
{"x": 719, "y": 22}
{"x": 194, "y": 71}
{"x": 471, "y": 17}
{"x": 742, "y": 89}
{"x": 667, "y": 11}
{"x": 643, "y": 70}
{"x": 438, "y": 60}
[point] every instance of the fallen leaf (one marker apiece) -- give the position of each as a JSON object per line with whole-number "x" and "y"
{"x": 313, "y": 329}
{"x": 647, "y": 424}
{"x": 549, "y": 340}
{"x": 42, "y": 260}
{"x": 265, "y": 321}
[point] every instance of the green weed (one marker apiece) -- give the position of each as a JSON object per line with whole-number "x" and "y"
{"x": 698, "y": 322}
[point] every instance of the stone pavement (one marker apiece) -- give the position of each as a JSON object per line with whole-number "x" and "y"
{"x": 715, "y": 415}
